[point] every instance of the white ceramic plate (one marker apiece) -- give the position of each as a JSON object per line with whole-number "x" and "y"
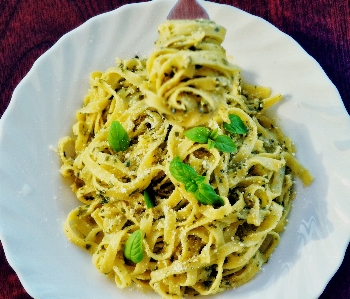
{"x": 34, "y": 200}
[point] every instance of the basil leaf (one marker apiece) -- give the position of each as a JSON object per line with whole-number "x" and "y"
{"x": 133, "y": 249}
{"x": 211, "y": 143}
{"x": 118, "y": 138}
{"x": 181, "y": 171}
{"x": 191, "y": 186}
{"x": 214, "y": 134}
{"x": 199, "y": 179}
{"x": 149, "y": 200}
{"x": 194, "y": 183}
{"x": 198, "y": 134}
{"x": 236, "y": 125}
{"x": 206, "y": 195}
{"x": 184, "y": 173}
{"x": 225, "y": 144}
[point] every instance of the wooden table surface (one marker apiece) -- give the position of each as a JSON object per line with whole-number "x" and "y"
{"x": 28, "y": 28}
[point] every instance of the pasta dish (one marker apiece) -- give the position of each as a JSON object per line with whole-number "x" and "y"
{"x": 185, "y": 184}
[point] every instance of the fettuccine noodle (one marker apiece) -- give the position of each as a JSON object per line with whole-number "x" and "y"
{"x": 187, "y": 246}
{"x": 189, "y": 74}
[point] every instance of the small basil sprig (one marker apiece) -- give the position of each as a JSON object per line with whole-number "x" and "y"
{"x": 223, "y": 143}
{"x": 133, "y": 249}
{"x": 204, "y": 135}
{"x": 198, "y": 134}
{"x": 118, "y": 138}
{"x": 205, "y": 194}
{"x": 194, "y": 183}
{"x": 236, "y": 125}
{"x": 148, "y": 196}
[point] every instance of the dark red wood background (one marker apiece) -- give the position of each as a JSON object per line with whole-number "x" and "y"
{"x": 28, "y": 28}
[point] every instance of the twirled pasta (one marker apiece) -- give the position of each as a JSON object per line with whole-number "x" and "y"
{"x": 189, "y": 247}
{"x": 188, "y": 72}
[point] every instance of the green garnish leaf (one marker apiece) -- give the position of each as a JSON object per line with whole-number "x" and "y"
{"x": 149, "y": 200}
{"x": 191, "y": 186}
{"x": 194, "y": 183}
{"x": 183, "y": 172}
{"x": 133, "y": 249}
{"x": 118, "y": 138}
{"x": 198, "y": 134}
{"x": 211, "y": 143}
{"x": 225, "y": 144}
{"x": 214, "y": 134}
{"x": 206, "y": 195}
{"x": 212, "y": 138}
{"x": 236, "y": 125}
{"x": 199, "y": 179}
